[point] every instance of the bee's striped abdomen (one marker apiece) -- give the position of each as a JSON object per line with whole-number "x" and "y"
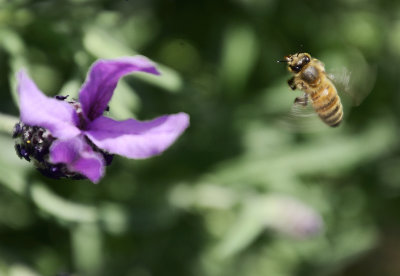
{"x": 326, "y": 103}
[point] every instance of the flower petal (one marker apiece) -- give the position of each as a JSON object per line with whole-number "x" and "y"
{"x": 79, "y": 157}
{"x": 38, "y": 110}
{"x": 103, "y": 78}
{"x": 135, "y": 139}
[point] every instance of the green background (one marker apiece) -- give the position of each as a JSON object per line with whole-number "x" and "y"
{"x": 249, "y": 188}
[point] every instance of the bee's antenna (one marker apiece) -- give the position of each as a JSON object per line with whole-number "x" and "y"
{"x": 281, "y": 61}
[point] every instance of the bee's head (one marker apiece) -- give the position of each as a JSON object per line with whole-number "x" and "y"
{"x": 296, "y": 62}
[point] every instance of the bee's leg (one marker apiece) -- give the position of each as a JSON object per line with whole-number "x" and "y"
{"x": 292, "y": 84}
{"x": 302, "y": 100}
{"x": 305, "y": 99}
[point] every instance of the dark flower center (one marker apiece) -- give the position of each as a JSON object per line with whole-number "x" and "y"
{"x": 34, "y": 142}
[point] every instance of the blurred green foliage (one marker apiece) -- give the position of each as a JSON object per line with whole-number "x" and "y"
{"x": 248, "y": 189}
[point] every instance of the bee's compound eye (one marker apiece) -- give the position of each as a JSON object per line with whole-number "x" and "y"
{"x": 295, "y": 68}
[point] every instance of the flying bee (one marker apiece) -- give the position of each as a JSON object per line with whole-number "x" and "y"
{"x": 310, "y": 77}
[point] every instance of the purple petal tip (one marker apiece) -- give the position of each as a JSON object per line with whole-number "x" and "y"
{"x": 103, "y": 78}
{"x": 135, "y": 139}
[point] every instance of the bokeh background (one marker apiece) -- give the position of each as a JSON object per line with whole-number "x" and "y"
{"x": 249, "y": 189}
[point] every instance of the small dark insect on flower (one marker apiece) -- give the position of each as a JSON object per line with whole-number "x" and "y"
{"x": 73, "y": 139}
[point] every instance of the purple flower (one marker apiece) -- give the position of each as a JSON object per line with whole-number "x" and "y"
{"x": 291, "y": 216}
{"x": 74, "y": 139}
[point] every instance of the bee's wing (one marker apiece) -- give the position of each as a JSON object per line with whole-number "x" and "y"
{"x": 349, "y": 85}
{"x": 341, "y": 79}
{"x": 352, "y": 75}
{"x": 302, "y": 117}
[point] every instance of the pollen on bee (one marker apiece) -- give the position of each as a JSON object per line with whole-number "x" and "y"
{"x": 28, "y": 141}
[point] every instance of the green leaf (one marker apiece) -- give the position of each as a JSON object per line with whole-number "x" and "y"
{"x": 102, "y": 45}
{"x": 239, "y": 54}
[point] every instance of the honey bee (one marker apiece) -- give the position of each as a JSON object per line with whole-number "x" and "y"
{"x": 310, "y": 77}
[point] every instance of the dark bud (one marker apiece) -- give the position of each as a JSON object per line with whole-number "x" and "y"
{"x": 61, "y": 98}
{"x": 17, "y": 130}
{"x": 25, "y": 154}
{"x": 108, "y": 158}
{"x": 18, "y": 150}
{"x": 31, "y": 142}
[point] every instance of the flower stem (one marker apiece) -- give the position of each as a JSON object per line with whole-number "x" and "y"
{"x": 7, "y": 123}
